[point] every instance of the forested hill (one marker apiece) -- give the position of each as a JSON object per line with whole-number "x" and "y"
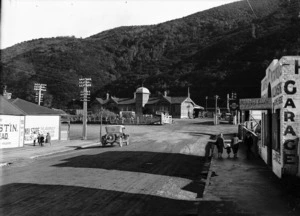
{"x": 216, "y": 51}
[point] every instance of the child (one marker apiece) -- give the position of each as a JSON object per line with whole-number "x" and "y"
{"x": 227, "y": 146}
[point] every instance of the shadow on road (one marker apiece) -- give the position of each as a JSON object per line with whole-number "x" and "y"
{"x": 168, "y": 164}
{"x": 36, "y": 199}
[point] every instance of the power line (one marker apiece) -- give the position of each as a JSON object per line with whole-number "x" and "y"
{"x": 252, "y": 8}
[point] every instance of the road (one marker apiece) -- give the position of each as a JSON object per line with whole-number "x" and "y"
{"x": 161, "y": 172}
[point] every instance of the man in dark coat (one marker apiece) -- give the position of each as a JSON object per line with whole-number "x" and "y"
{"x": 248, "y": 141}
{"x": 220, "y": 145}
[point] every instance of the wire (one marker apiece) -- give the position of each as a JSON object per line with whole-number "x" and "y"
{"x": 252, "y": 9}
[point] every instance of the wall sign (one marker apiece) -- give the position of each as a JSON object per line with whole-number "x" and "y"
{"x": 255, "y": 103}
{"x": 291, "y": 111}
{"x": 11, "y": 131}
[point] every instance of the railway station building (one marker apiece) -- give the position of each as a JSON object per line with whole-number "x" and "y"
{"x": 143, "y": 103}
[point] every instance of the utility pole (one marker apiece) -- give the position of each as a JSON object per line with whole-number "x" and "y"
{"x": 101, "y": 115}
{"x": 233, "y": 106}
{"x": 84, "y": 83}
{"x": 39, "y": 95}
{"x": 216, "y": 110}
{"x": 227, "y": 103}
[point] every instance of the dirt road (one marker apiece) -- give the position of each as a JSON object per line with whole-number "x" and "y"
{"x": 161, "y": 172}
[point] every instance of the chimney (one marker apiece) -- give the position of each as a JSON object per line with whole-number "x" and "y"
{"x": 189, "y": 92}
{"x": 107, "y": 96}
{"x": 6, "y": 94}
{"x": 165, "y": 93}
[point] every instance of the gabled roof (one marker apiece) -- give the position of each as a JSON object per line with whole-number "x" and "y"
{"x": 101, "y": 101}
{"x": 126, "y": 101}
{"x": 7, "y": 108}
{"x": 179, "y": 100}
{"x": 153, "y": 100}
{"x": 33, "y": 109}
{"x": 116, "y": 100}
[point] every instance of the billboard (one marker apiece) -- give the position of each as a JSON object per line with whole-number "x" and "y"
{"x": 256, "y": 103}
{"x": 43, "y": 125}
{"x": 11, "y": 131}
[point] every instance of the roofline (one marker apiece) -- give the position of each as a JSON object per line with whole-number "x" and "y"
{"x": 24, "y": 113}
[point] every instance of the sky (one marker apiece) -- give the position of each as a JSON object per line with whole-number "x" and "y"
{"x": 23, "y": 20}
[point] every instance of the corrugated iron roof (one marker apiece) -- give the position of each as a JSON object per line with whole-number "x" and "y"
{"x": 33, "y": 109}
{"x": 178, "y": 100}
{"x": 125, "y": 101}
{"x": 7, "y": 108}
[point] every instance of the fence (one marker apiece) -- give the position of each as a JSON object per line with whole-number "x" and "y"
{"x": 145, "y": 119}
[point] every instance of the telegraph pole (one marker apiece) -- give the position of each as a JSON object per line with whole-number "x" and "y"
{"x": 84, "y": 83}
{"x": 216, "y": 110}
{"x": 39, "y": 95}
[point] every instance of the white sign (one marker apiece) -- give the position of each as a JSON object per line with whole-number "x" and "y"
{"x": 42, "y": 125}
{"x": 11, "y": 131}
{"x": 256, "y": 104}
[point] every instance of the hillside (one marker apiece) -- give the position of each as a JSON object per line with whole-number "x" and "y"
{"x": 216, "y": 51}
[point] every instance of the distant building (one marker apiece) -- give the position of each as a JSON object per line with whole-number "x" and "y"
{"x": 142, "y": 103}
{"x": 38, "y": 119}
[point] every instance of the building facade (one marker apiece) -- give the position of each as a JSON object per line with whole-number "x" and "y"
{"x": 279, "y": 146}
{"x": 12, "y": 125}
{"x": 38, "y": 119}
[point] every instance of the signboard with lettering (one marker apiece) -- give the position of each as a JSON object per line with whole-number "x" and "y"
{"x": 290, "y": 157}
{"x": 43, "y": 125}
{"x": 291, "y": 113}
{"x": 234, "y": 106}
{"x": 11, "y": 131}
{"x": 282, "y": 85}
{"x": 255, "y": 104}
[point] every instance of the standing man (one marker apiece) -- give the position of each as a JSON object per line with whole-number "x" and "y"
{"x": 235, "y": 142}
{"x": 220, "y": 145}
{"x": 249, "y": 143}
{"x": 35, "y": 138}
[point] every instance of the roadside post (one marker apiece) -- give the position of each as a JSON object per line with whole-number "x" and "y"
{"x": 216, "y": 110}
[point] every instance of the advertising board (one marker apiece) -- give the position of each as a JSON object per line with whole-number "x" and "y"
{"x": 11, "y": 131}
{"x": 43, "y": 125}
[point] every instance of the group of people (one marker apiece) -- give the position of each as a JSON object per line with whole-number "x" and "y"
{"x": 234, "y": 145}
{"x": 40, "y": 139}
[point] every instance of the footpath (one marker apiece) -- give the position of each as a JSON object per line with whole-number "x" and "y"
{"x": 28, "y": 151}
{"x": 244, "y": 186}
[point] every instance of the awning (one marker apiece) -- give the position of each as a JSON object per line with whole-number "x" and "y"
{"x": 198, "y": 107}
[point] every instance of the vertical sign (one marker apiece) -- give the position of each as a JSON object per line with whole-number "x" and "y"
{"x": 291, "y": 125}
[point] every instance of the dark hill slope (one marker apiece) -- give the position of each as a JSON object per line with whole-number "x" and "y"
{"x": 210, "y": 51}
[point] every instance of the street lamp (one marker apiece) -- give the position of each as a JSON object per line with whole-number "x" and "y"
{"x": 206, "y": 103}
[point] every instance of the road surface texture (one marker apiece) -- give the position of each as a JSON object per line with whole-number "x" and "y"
{"x": 162, "y": 172}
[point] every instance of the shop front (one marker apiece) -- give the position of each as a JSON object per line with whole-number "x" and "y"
{"x": 279, "y": 146}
